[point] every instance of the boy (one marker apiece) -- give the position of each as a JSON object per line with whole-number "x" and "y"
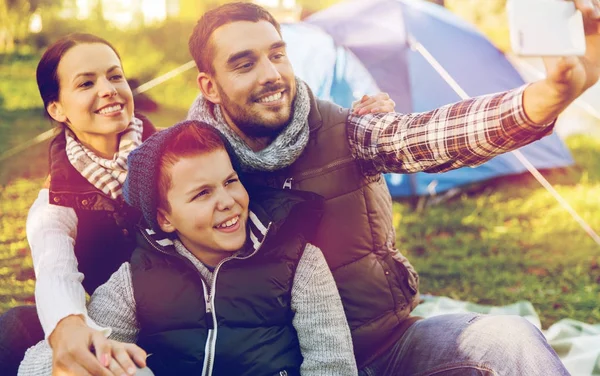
{"x": 218, "y": 286}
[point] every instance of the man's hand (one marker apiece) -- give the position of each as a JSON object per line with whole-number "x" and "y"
{"x": 567, "y": 77}
{"x": 72, "y": 342}
{"x": 380, "y": 102}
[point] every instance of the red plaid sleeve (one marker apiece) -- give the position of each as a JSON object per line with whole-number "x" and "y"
{"x": 466, "y": 133}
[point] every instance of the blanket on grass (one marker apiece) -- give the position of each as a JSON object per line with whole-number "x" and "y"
{"x": 576, "y": 343}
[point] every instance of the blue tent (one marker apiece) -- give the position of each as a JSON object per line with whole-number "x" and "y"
{"x": 333, "y": 72}
{"x": 360, "y": 37}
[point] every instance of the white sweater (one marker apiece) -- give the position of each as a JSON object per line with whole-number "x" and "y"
{"x": 51, "y": 232}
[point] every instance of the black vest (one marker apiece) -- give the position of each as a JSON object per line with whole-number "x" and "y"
{"x": 377, "y": 284}
{"x": 105, "y": 227}
{"x": 252, "y": 315}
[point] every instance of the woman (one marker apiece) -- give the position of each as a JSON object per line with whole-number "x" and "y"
{"x": 79, "y": 224}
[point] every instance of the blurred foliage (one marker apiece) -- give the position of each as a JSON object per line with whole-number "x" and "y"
{"x": 314, "y": 5}
{"x": 16, "y": 267}
{"x": 489, "y": 16}
{"x": 18, "y": 87}
{"x": 146, "y": 54}
{"x": 14, "y": 20}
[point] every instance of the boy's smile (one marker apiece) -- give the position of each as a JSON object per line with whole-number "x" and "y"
{"x": 208, "y": 206}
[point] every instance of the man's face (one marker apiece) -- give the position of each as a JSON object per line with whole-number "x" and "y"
{"x": 253, "y": 78}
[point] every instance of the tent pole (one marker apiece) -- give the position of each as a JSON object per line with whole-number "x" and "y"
{"x": 415, "y": 45}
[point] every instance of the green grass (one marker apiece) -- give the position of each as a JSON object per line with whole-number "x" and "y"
{"x": 512, "y": 241}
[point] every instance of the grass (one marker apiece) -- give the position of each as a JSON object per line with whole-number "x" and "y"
{"x": 512, "y": 241}
{"x": 504, "y": 242}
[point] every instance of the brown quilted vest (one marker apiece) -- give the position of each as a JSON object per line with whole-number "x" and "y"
{"x": 378, "y": 286}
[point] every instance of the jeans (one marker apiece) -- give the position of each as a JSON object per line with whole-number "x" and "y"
{"x": 469, "y": 344}
{"x": 20, "y": 329}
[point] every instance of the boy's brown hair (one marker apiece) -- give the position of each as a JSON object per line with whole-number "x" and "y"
{"x": 149, "y": 166}
{"x": 191, "y": 141}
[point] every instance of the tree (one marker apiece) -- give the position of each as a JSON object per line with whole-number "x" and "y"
{"x": 14, "y": 20}
{"x": 489, "y": 16}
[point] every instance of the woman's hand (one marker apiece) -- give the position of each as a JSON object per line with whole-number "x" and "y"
{"x": 380, "y": 102}
{"x": 72, "y": 342}
{"x": 123, "y": 356}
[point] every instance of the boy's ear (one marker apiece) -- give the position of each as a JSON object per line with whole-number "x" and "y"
{"x": 56, "y": 112}
{"x": 208, "y": 88}
{"x": 162, "y": 217}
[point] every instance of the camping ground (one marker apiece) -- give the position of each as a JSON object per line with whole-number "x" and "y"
{"x": 505, "y": 242}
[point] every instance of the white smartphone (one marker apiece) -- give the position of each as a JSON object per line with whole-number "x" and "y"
{"x": 545, "y": 28}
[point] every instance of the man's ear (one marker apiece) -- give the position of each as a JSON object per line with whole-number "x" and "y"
{"x": 162, "y": 217}
{"x": 208, "y": 88}
{"x": 56, "y": 112}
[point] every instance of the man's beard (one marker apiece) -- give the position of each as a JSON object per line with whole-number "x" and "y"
{"x": 252, "y": 123}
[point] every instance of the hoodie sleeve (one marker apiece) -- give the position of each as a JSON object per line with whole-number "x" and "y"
{"x": 112, "y": 305}
{"x": 319, "y": 319}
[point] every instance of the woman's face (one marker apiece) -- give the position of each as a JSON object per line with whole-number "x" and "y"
{"x": 95, "y": 100}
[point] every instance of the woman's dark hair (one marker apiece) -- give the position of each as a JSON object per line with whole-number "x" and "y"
{"x": 46, "y": 75}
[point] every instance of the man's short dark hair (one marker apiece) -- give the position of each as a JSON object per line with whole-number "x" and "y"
{"x": 201, "y": 50}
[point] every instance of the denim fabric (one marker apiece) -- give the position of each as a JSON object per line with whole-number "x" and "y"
{"x": 469, "y": 344}
{"x": 20, "y": 329}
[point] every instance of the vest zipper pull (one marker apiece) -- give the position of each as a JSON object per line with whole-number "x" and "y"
{"x": 288, "y": 183}
{"x": 208, "y": 316}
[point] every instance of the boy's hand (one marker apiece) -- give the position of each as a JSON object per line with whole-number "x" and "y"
{"x": 72, "y": 341}
{"x": 380, "y": 102}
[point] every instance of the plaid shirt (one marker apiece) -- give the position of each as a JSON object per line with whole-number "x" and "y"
{"x": 466, "y": 133}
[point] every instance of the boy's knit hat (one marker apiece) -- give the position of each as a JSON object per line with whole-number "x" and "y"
{"x": 141, "y": 186}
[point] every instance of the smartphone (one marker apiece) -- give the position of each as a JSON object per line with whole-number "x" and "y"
{"x": 545, "y": 28}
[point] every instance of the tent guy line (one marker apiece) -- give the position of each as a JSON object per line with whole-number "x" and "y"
{"x": 414, "y": 44}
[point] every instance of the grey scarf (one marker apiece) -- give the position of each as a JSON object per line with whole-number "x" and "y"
{"x": 284, "y": 149}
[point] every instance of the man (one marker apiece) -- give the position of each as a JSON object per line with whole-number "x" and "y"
{"x": 286, "y": 138}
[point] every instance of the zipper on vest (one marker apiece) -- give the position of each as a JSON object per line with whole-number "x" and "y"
{"x": 210, "y": 314}
{"x": 211, "y": 339}
{"x": 209, "y": 294}
{"x": 318, "y": 171}
{"x": 288, "y": 183}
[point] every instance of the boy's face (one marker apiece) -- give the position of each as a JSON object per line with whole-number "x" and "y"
{"x": 209, "y": 206}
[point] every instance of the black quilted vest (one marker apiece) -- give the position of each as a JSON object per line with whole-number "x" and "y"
{"x": 105, "y": 227}
{"x": 251, "y": 318}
